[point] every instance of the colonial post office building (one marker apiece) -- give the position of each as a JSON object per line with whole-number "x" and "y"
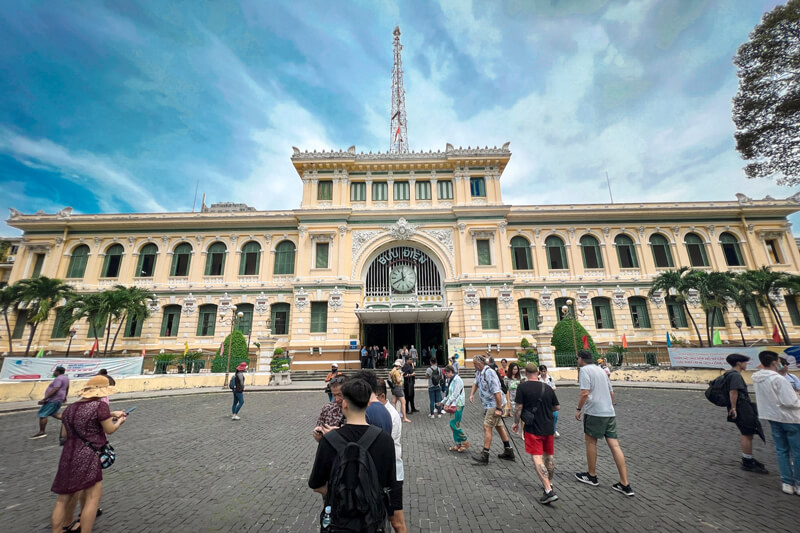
{"x": 408, "y": 248}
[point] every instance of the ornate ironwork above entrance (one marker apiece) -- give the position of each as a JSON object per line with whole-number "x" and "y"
{"x": 403, "y": 277}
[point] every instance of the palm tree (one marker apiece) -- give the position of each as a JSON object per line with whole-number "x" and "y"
{"x": 9, "y": 298}
{"x": 676, "y": 283}
{"x": 760, "y": 285}
{"x": 714, "y": 289}
{"x": 92, "y": 307}
{"x": 40, "y": 295}
{"x": 132, "y": 303}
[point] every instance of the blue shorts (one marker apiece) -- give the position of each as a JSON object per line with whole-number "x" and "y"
{"x": 49, "y": 409}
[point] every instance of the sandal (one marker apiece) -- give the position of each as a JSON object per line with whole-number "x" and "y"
{"x": 455, "y": 448}
{"x": 463, "y": 447}
{"x": 69, "y": 528}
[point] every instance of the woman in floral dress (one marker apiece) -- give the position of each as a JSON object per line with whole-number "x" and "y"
{"x": 79, "y": 469}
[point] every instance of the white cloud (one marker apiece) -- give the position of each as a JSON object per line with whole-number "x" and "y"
{"x": 479, "y": 36}
{"x": 110, "y": 183}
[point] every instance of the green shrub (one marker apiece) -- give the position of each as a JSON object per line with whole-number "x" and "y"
{"x": 528, "y": 356}
{"x": 524, "y": 344}
{"x": 562, "y": 337}
{"x": 238, "y": 353}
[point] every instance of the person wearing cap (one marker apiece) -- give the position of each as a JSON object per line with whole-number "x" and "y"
{"x": 602, "y": 364}
{"x": 80, "y": 468}
{"x": 238, "y": 391}
{"x": 54, "y": 396}
{"x": 493, "y": 401}
{"x": 596, "y": 404}
{"x": 743, "y": 413}
{"x": 332, "y": 374}
{"x": 396, "y": 378}
{"x": 535, "y": 404}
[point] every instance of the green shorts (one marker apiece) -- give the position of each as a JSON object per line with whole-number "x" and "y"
{"x": 600, "y": 427}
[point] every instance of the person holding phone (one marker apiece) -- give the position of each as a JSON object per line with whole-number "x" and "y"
{"x": 80, "y": 472}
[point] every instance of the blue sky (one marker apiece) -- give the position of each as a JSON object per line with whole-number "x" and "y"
{"x": 123, "y": 106}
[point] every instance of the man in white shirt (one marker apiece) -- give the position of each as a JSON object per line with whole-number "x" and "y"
{"x": 596, "y": 403}
{"x": 778, "y": 403}
{"x": 397, "y": 519}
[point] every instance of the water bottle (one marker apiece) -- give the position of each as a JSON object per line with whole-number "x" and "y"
{"x": 326, "y": 519}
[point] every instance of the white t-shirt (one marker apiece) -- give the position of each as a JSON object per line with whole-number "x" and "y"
{"x": 397, "y": 429}
{"x": 594, "y": 379}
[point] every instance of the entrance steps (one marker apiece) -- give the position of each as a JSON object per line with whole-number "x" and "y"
{"x": 319, "y": 375}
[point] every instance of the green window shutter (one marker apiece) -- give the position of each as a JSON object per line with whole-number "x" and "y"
{"x": 719, "y": 319}
{"x": 401, "y": 191}
{"x": 751, "y": 314}
{"x": 590, "y": 248}
{"x": 662, "y": 255}
{"x": 489, "y": 313}
{"x": 423, "y": 191}
{"x": 19, "y": 325}
{"x": 37, "y": 265}
{"x": 97, "y": 330}
{"x": 445, "y": 189}
{"x": 106, "y": 261}
{"x": 731, "y": 250}
{"x": 171, "y": 321}
{"x": 139, "y": 265}
{"x": 484, "y": 252}
{"x": 794, "y": 312}
{"x": 206, "y": 321}
{"x": 279, "y": 316}
{"x": 324, "y": 190}
{"x": 319, "y": 317}
{"x": 528, "y": 315}
{"x": 380, "y": 191}
{"x": 521, "y": 254}
{"x": 321, "y": 255}
{"x": 133, "y": 326}
{"x": 77, "y": 262}
{"x": 245, "y": 324}
{"x": 677, "y": 314}
{"x": 358, "y": 192}
{"x": 174, "y": 267}
{"x": 696, "y": 250}
{"x": 602, "y": 313}
{"x": 284, "y": 258}
{"x": 639, "y": 315}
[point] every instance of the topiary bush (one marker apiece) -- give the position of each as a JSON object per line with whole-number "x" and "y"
{"x": 562, "y": 337}
{"x": 238, "y": 353}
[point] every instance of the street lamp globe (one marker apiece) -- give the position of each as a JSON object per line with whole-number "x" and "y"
{"x": 738, "y": 323}
{"x": 569, "y": 302}
{"x": 240, "y": 314}
{"x": 564, "y": 309}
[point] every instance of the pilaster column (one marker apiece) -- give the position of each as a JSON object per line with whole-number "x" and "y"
{"x": 368, "y": 192}
{"x": 434, "y": 190}
{"x": 412, "y": 190}
{"x": 390, "y": 191}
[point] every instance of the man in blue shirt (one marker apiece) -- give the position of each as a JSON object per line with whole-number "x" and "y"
{"x": 377, "y": 415}
{"x": 493, "y": 401}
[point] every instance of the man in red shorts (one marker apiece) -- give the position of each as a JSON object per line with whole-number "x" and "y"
{"x": 536, "y": 403}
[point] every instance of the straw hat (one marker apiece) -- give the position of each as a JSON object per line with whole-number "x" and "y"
{"x": 97, "y": 387}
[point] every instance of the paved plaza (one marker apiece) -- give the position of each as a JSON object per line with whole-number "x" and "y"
{"x": 183, "y": 465}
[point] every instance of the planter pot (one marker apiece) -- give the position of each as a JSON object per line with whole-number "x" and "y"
{"x": 282, "y": 378}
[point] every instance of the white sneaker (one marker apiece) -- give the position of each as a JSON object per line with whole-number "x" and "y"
{"x": 440, "y": 415}
{"x": 431, "y": 416}
{"x": 235, "y": 417}
{"x": 787, "y": 488}
{"x": 557, "y": 434}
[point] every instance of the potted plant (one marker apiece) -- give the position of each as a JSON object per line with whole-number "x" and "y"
{"x": 527, "y": 355}
{"x": 280, "y": 367}
{"x": 194, "y": 362}
{"x": 162, "y": 361}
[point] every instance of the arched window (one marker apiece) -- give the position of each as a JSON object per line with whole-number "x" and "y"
{"x": 639, "y": 315}
{"x": 662, "y": 256}
{"x": 181, "y": 259}
{"x": 147, "y": 261}
{"x": 215, "y": 259}
{"x": 207, "y": 320}
{"x": 77, "y": 263}
{"x": 603, "y": 318}
{"x": 112, "y": 261}
{"x": 171, "y": 321}
{"x": 251, "y": 257}
{"x": 245, "y": 324}
{"x": 590, "y": 249}
{"x": 556, "y": 255}
{"x": 528, "y": 314}
{"x": 521, "y": 253}
{"x": 696, "y": 250}
{"x": 676, "y": 313}
{"x": 730, "y": 249}
{"x": 284, "y": 258}
{"x": 626, "y": 252}
{"x": 279, "y": 314}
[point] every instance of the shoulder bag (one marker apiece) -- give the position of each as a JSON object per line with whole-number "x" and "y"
{"x": 106, "y": 452}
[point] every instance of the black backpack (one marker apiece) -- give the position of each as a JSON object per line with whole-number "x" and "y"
{"x": 503, "y": 386}
{"x": 718, "y": 391}
{"x": 232, "y": 384}
{"x": 436, "y": 377}
{"x": 354, "y": 493}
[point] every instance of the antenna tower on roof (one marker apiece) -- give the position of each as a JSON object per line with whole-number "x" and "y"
{"x": 398, "y": 139}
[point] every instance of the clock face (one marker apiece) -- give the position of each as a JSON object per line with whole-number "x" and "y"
{"x": 402, "y": 278}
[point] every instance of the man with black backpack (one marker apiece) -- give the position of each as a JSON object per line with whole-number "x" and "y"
{"x": 493, "y": 400}
{"x": 354, "y": 468}
{"x": 535, "y": 404}
{"x": 435, "y": 378}
{"x": 741, "y": 411}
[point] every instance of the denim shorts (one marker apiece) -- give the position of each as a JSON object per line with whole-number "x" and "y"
{"x": 49, "y": 409}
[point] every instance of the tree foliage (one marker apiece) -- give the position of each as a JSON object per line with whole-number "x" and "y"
{"x": 238, "y": 353}
{"x": 40, "y": 295}
{"x": 766, "y": 109}
{"x": 562, "y": 336}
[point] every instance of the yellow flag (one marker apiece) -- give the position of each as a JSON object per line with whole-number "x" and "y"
{"x": 185, "y": 347}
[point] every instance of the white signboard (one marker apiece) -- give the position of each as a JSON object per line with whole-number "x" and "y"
{"x": 30, "y": 368}
{"x": 710, "y": 357}
{"x": 455, "y": 347}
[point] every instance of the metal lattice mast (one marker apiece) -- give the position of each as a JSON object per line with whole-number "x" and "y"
{"x": 398, "y": 135}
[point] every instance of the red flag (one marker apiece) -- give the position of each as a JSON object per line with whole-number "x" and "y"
{"x": 222, "y": 348}
{"x": 776, "y": 336}
{"x": 143, "y": 351}
{"x": 94, "y": 349}
{"x": 397, "y": 133}
{"x": 585, "y": 340}
{"x": 624, "y": 341}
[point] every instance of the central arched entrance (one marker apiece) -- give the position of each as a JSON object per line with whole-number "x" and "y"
{"x": 404, "y": 303}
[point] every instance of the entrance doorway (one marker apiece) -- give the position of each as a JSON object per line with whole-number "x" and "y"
{"x": 395, "y": 336}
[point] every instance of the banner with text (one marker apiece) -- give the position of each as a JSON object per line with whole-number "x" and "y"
{"x": 455, "y": 347}
{"x": 715, "y": 357}
{"x": 25, "y": 368}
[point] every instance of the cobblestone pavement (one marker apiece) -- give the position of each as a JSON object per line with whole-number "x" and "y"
{"x": 183, "y": 465}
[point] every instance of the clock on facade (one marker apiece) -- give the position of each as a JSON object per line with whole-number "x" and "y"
{"x": 402, "y": 278}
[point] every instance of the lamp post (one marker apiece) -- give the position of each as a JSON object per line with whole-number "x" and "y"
{"x": 72, "y": 333}
{"x": 739, "y": 325}
{"x": 234, "y": 319}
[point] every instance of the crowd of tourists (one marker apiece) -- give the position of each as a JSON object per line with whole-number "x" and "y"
{"x": 358, "y": 468}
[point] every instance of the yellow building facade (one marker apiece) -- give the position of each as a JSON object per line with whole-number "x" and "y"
{"x": 400, "y": 249}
